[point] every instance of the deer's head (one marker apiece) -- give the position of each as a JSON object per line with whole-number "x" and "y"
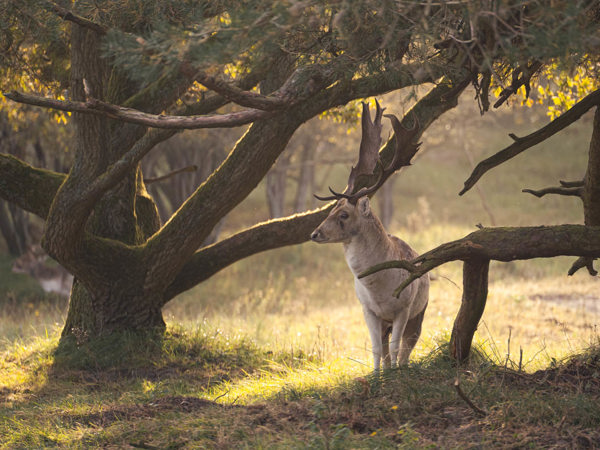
{"x": 353, "y": 208}
{"x": 344, "y": 221}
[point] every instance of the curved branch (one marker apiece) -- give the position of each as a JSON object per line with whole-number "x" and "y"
{"x": 522, "y": 144}
{"x": 503, "y": 244}
{"x": 525, "y": 78}
{"x": 259, "y": 238}
{"x": 100, "y": 108}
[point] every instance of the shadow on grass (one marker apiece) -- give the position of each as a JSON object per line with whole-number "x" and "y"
{"x": 145, "y": 389}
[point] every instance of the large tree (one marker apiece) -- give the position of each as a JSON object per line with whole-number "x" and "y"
{"x": 132, "y": 74}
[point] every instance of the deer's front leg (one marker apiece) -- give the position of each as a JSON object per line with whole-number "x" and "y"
{"x": 374, "y": 324}
{"x": 397, "y": 332}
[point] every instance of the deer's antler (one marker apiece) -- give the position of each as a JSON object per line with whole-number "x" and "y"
{"x": 369, "y": 162}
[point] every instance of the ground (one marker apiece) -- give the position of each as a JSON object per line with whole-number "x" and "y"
{"x": 273, "y": 352}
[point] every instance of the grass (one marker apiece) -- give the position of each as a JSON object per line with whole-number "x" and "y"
{"x": 273, "y": 352}
{"x": 203, "y": 388}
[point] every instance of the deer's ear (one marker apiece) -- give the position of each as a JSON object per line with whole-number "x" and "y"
{"x": 364, "y": 206}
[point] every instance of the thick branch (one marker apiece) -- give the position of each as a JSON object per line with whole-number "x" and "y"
{"x": 503, "y": 244}
{"x": 522, "y": 144}
{"x": 28, "y": 187}
{"x": 100, "y": 108}
{"x": 560, "y": 190}
{"x": 265, "y": 236}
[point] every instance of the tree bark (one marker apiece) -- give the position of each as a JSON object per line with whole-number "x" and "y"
{"x": 475, "y": 289}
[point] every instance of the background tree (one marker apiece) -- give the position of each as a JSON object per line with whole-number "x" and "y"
{"x": 136, "y": 75}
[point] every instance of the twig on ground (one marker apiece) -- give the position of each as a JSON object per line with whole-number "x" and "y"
{"x": 467, "y": 400}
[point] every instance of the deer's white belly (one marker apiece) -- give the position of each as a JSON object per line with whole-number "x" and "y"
{"x": 381, "y": 302}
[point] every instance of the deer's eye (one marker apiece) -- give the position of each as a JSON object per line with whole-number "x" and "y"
{"x": 343, "y": 215}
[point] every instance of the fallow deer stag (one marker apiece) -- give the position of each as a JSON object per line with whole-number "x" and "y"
{"x": 51, "y": 278}
{"x": 366, "y": 243}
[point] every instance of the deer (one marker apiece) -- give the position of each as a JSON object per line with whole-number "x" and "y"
{"x": 51, "y": 278}
{"x": 366, "y": 243}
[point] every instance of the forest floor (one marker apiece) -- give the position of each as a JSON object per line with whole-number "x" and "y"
{"x": 282, "y": 361}
{"x": 273, "y": 351}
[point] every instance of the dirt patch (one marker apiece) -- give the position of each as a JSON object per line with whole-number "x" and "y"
{"x": 109, "y": 415}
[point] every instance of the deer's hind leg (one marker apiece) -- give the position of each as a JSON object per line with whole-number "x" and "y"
{"x": 386, "y": 331}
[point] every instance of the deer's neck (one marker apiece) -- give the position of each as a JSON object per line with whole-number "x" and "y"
{"x": 370, "y": 246}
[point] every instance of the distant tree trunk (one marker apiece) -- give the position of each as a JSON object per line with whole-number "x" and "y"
{"x": 306, "y": 179}
{"x": 13, "y": 236}
{"x": 276, "y": 186}
{"x": 385, "y": 197}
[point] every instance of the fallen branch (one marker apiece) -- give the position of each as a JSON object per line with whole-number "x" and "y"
{"x": 467, "y": 400}
{"x": 100, "y": 108}
{"x": 523, "y": 143}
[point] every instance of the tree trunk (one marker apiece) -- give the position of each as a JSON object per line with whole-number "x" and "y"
{"x": 475, "y": 289}
{"x": 108, "y": 292}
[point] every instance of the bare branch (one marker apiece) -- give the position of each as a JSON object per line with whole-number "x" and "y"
{"x": 503, "y": 244}
{"x": 100, "y": 108}
{"x": 560, "y": 190}
{"x": 581, "y": 262}
{"x": 65, "y": 14}
{"x": 191, "y": 168}
{"x": 578, "y": 183}
{"x": 522, "y": 144}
